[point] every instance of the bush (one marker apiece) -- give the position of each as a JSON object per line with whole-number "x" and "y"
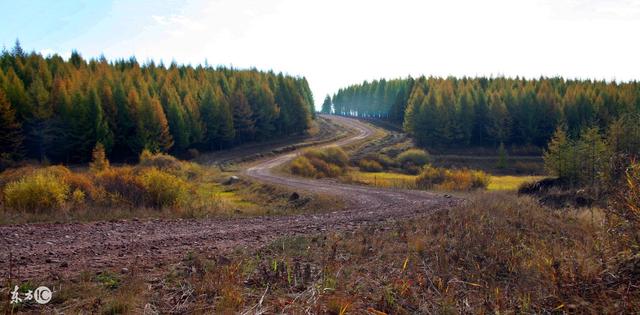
{"x": 301, "y": 166}
{"x": 330, "y": 162}
{"x": 430, "y": 177}
{"x": 384, "y": 161}
{"x": 15, "y": 174}
{"x": 99, "y": 160}
{"x": 440, "y": 178}
{"x": 480, "y": 179}
{"x": 40, "y": 191}
{"x": 122, "y": 184}
{"x": 78, "y": 197}
{"x": 337, "y": 156}
{"x": 414, "y": 156}
{"x": 82, "y": 182}
{"x": 322, "y": 168}
{"x": 163, "y": 189}
{"x": 158, "y": 160}
{"x": 370, "y": 166}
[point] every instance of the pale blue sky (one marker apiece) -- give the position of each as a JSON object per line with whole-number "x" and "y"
{"x": 335, "y": 43}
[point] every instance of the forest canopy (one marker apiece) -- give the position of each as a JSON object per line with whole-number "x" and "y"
{"x": 58, "y": 110}
{"x": 489, "y": 111}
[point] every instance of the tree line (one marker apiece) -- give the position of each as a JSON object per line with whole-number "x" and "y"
{"x": 58, "y": 110}
{"x": 489, "y": 111}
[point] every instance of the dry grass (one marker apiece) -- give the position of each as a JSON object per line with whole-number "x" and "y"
{"x": 508, "y": 182}
{"x": 381, "y": 179}
{"x": 398, "y": 180}
{"x": 497, "y": 253}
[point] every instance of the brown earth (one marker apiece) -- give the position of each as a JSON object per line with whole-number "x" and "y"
{"x": 51, "y": 251}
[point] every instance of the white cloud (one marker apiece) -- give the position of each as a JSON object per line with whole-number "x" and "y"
{"x": 336, "y": 43}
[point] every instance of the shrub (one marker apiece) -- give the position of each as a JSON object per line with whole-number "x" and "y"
{"x": 163, "y": 189}
{"x": 78, "y": 197}
{"x": 123, "y": 184}
{"x": 384, "y": 161}
{"x": 414, "y": 156}
{"x": 303, "y": 167}
{"x": 40, "y": 191}
{"x": 158, "y": 160}
{"x": 480, "y": 179}
{"x": 370, "y": 166}
{"x": 322, "y": 168}
{"x": 330, "y": 162}
{"x": 440, "y": 178}
{"x": 82, "y": 182}
{"x": 430, "y": 177}
{"x": 335, "y": 155}
{"x": 15, "y": 174}
{"x": 99, "y": 160}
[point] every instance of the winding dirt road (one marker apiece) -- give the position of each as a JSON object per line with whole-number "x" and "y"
{"x": 46, "y": 251}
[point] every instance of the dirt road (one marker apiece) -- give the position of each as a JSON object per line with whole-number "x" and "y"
{"x": 40, "y": 251}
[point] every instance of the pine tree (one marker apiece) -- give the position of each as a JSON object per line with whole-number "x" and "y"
{"x": 227, "y": 128}
{"x": 11, "y": 136}
{"x": 326, "y": 105}
{"x": 559, "y": 158}
{"x": 593, "y": 156}
{"x": 101, "y": 130}
{"x": 211, "y": 116}
{"x": 242, "y": 117}
{"x": 125, "y": 125}
{"x": 154, "y": 126}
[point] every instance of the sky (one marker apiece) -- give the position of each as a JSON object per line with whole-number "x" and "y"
{"x": 335, "y": 43}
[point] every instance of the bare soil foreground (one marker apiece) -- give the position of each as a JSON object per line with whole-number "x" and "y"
{"x": 37, "y": 251}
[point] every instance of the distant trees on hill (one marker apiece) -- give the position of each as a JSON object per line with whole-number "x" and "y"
{"x": 489, "y": 111}
{"x": 58, "y": 110}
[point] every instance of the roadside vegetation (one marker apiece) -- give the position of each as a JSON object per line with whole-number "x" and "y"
{"x": 319, "y": 163}
{"x": 409, "y": 169}
{"x": 158, "y": 186}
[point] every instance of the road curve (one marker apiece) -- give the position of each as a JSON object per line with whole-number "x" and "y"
{"x": 406, "y": 202}
{"x": 52, "y": 251}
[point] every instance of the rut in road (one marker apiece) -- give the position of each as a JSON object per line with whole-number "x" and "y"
{"x": 39, "y": 251}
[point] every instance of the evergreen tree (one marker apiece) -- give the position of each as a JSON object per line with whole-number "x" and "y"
{"x": 154, "y": 126}
{"x": 11, "y": 136}
{"x": 242, "y": 117}
{"x": 211, "y": 116}
{"x": 559, "y": 159}
{"x": 326, "y": 105}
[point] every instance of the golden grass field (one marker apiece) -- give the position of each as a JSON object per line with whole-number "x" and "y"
{"x": 397, "y": 180}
